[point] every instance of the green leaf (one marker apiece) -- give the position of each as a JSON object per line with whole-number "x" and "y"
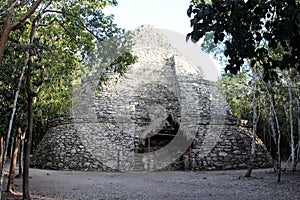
{"x": 189, "y": 11}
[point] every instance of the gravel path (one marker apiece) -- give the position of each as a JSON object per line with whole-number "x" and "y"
{"x": 75, "y": 185}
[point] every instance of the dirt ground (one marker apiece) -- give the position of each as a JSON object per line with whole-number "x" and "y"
{"x": 230, "y": 184}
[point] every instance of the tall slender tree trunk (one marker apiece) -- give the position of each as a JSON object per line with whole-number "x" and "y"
{"x": 292, "y": 143}
{"x": 275, "y": 131}
{"x": 28, "y": 139}
{"x": 1, "y": 150}
{"x": 11, "y": 178}
{"x": 298, "y": 119}
{"x": 9, "y": 148}
{"x": 278, "y": 138}
{"x": 279, "y": 159}
{"x": 20, "y": 157}
{"x": 253, "y": 144}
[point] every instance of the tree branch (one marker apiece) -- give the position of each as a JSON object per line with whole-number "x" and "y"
{"x": 79, "y": 19}
{"x": 69, "y": 33}
{"x": 60, "y": 12}
{"x": 27, "y": 14}
{"x": 25, "y": 3}
{"x": 6, "y": 10}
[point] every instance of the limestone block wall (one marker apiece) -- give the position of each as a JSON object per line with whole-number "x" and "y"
{"x": 232, "y": 151}
{"x": 63, "y": 149}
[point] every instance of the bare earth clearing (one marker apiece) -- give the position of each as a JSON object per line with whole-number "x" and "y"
{"x": 54, "y": 185}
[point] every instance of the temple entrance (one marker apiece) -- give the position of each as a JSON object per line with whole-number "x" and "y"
{"x": 169, "y": 129}
{"x": 164, "y": 136}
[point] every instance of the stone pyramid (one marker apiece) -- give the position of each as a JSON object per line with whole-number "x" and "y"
{"x": 165, "y": 113}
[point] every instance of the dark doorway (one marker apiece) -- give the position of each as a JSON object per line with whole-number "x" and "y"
{"x": 164, "y": 136}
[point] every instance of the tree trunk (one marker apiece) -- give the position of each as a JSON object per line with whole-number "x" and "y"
{"x": 292, "y": 143}
{"x": 6, "y": 29}
{"x": 20, "y": 158}
{"x": 11, "y": 177}
{"x": 298, "y": 146}
{"x": 28, "y": 139}
{"x": 253, "y": 145}
{"x": 279, "y": 158}
{"x": 278, "y": 138}
{"x": 27, "y": 148}
{"x": 9, "y": 148}
{"x": 276, "y": 132}
{"x": 1, "y": 150}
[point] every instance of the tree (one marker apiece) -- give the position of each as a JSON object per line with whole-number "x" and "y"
{"x": 291, "y": 121}
{"x": 263, "y": 33}
{"x": 251, "y": 31}
{"x": 238, "y": 93}
{"x": 5, "y": 93}
{"x": 254, "y": 129}
{"x": 298, "y": 120}
{"x": 10, "y": 22}
{"x": 66, "y": 33}
{"x": 30, "y": 96}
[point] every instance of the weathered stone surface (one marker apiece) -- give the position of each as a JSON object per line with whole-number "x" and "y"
{"x": 162, "y": 99}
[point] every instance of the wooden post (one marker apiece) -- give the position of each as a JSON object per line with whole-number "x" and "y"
{"x": 190, "y": 157}
{"x": 149, "y": 159}
{"x": 118, "y": 159}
